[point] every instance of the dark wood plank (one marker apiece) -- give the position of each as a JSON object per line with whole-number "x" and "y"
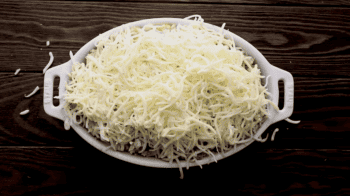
{"x": 320, "y": 103}
{"x": 34, "y": 128}
{"x": 72, "y": 171}
{"x": 324, "y": 3}
{"x": 302, "y": 40}
{"x": 308, "y": 38}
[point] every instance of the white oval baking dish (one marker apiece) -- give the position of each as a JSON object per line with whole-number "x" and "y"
{"x": 265, "y": 67}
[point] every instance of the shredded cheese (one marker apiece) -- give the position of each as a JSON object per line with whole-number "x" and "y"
{"x": 67, "y": 124}
{"x": 107, "y": 148}
{"x": 49, "y": 63}
{"x": 273, "y": 134}
{"x": 71, "y": 56}
{"x": 24, "y": 112}
{"x": 262, "y": 140}
{"x": 181, "y": 91}
{"x": 288, "y": 120}
{"x": 266, "y": 81}
{"x": 32, "y": 93}
{"x": 17, "y": 71}
{"x": 292, "y": 121}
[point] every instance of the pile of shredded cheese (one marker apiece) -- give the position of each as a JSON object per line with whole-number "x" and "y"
{"x": 168, "y": 91}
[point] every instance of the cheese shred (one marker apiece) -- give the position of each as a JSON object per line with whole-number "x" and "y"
{"x": 288, "y": 120}
{"x": 168, "y": 91}
{"x": 17, "y": 71}
{"x": 292, "y": 121}
{"x": 24, "y": 112}
{"x": 273, "y": 134}
{"x": 32, "y": 93}
{"x": 49, "y": 63}
{"x": 71, "y": 56}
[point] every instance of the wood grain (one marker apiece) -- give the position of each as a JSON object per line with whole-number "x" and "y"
{"x": 325, "y": 3}
{"x": 309, "y": 39}
{"x": 68, "y": 171}
{"x": 304, "y": 41}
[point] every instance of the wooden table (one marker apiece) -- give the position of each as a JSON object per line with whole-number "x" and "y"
{"x": 309, "y": 39}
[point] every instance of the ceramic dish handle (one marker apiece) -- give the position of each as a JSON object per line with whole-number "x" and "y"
{"x": 288, "y": 81}
{"x": 50, "y": 74}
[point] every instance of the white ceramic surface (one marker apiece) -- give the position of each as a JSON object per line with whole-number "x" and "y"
{"x": 265, "y": 67}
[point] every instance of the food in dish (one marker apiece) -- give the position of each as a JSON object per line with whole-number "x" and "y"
{"x": 168, "y": 91}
